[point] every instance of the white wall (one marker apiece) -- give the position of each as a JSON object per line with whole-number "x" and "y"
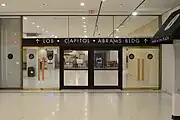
{"x": 168, "y": 65}
{"x": 168, "y": 61}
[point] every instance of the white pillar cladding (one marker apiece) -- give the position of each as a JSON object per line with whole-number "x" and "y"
{"x": 10, "y": 30}
{"x": 32, "y": 62}
{"x": 176, "y": 82}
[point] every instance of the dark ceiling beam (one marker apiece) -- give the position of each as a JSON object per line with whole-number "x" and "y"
{"x": 97, "y": 19}
{"x": 127, "y": 17}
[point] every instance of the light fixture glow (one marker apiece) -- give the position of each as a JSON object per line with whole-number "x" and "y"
{"x": 3, "y": 5}
{"x": 117, "y": 29}
{"x": 84, "y": 22}
{"x": 85, "y": 31}
{"x": 84, "y": 25}
{"x": 85, "y": 36}
{"x": 82, "y": 4}
{"x": 134, "y": 13}
{"x": 116, "y": 37}
{"x": 46, "y": 31}
{"x": 37, "y": 26}
{"x": 25, "y": 18}
{"x": 103, "y": 0}
{"x": 83, "y": 18}
{"x": 33, "y": 23}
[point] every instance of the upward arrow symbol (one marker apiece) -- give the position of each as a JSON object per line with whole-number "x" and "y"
{"x": 145, "y": 40}
{"x": 37, "y": 40}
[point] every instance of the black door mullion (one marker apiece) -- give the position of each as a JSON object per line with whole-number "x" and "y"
{"x": 90, "y": 68}
{"x": 120, "y": 68}
{"x": 61, "y": 68}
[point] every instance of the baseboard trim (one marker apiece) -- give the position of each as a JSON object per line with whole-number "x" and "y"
{"x": 167, "y": 92}
{"x": 10, "y": 88}
{"x": 175, "y": 117}
{"x": 141, "y": 89}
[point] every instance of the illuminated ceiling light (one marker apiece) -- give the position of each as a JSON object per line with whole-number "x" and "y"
{"x": 85, "y": 31}
{"x": 3, "y": 5}
{"x": 116, "y": 37}
{"x": 84, "y": 22}
{"x": 46, "y": 31}
{"x": 52, "y": 35}
{"x": 33, "y": 23}
{"x": 83, "y": 18}
{"x": 25, "y": 18}
{"x": 82, "y": 4}
{"x": 117, "y": 29}
{"x": 37, "y": 26}
{"x": 85, "y": 36}
{"x": 84, "y": 25}
{"x": 134, "y": 13}
{"x": 103, "y": 0}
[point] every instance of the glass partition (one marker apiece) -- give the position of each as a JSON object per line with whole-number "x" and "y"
{"x": 45, "y": 26}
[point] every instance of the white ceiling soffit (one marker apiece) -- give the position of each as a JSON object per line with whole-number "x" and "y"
{"x": 72, "y": 7}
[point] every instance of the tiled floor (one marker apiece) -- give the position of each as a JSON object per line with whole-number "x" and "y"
{"x": 84, "y": 105}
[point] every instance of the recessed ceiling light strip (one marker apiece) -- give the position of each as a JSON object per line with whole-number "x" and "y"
{"x": 127, "y": 17}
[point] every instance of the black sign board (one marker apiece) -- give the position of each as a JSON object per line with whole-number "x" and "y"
{"x": 170, "y": 29}
{"x": 86, "y": 41}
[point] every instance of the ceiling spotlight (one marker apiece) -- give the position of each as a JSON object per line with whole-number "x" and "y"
{"x": 25, "y": 18}
{"x": 116, "y": 37}
{"x": 52, "y": 35}
{"x": 37, "y": 26}
{"x": 83, "y": 18}
{"x": 85, "y": 36}
{"x": 117, "y": 29}
{"x": 33, "y": 23}
{"x": 56, "y": 36}
{"x": 103, "y": 0}
{"x": 82, "y": 4}
{"x": 85, "y": 31}
{"x": 3, "y": 5}
{"x": 84, "y": 25}
{"x": 134, "y": 13}
{"x": 84, "y": 22}
{"x": 46, "y": 31}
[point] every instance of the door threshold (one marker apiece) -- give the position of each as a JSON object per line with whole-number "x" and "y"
{"x": 41, "y": 89}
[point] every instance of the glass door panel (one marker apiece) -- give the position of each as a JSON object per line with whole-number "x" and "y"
{"x": 106, "y": 67}
{"x": 75, "y": 67}
{"x": 41, "y": 67}
{"x": 142, "y": 67}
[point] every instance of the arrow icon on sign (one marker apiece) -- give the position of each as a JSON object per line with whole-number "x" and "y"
{"x": 37, "y": 40}
{"x": 145, "y": 40}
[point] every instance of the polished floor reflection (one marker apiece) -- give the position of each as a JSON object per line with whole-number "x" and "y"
{"x": 84, "y": 106}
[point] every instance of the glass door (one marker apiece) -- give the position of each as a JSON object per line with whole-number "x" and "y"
{"x": 41, "y": 67}
{"x": 107, "y": 68}
{"x": 75, "y": 68}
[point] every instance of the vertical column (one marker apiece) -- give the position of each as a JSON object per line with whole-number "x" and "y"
{"x": 176, "y": 83}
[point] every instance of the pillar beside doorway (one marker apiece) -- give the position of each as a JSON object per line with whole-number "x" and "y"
{"x": 176, "y": 82}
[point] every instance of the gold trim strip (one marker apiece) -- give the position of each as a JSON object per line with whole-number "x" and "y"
{"x": 138, "y": 69}
{"x": 142, "y": 69}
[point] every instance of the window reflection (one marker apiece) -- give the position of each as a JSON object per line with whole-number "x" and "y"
{"x": 75, "y": 59}
{"x": 106, "y": 59}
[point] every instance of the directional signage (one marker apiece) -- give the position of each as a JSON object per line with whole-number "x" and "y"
{"x": 86, "y": 41}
